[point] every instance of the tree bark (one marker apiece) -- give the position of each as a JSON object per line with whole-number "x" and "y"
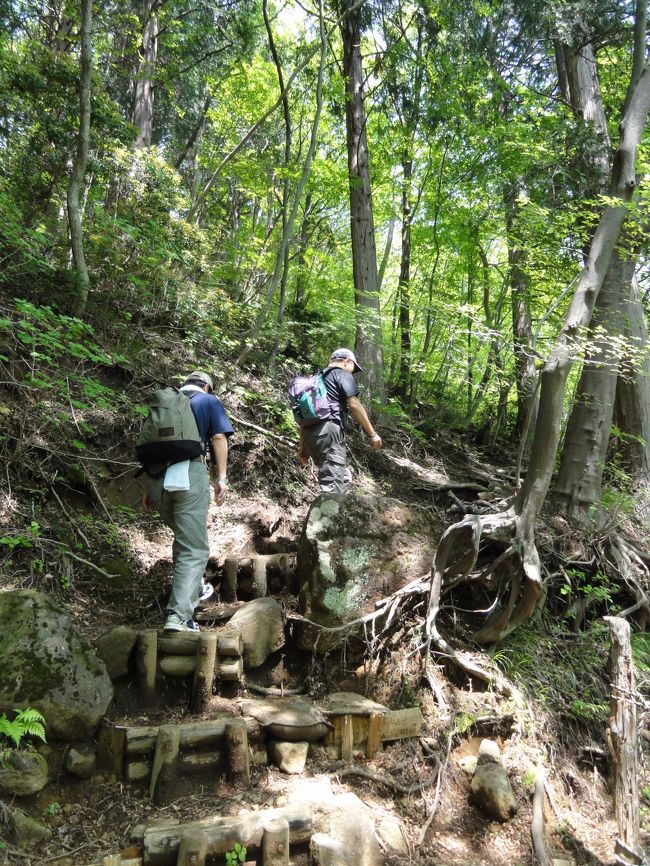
{"x": 368, "y": 345}
{"x": 584, "y": 454}
{"x": 522, "y": 324}
{"x": 81, "y": 160}
{"x": 632, "y": 403}
{"x": 404, "y": 283}
{"x": 556, "y": 370}
{"x": 144, "y": 85}
{"x": 623, "y": 738}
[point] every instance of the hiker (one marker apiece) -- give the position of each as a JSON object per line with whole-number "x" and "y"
{"x": 185, "y": 511}
{"x": 324, "y": 442}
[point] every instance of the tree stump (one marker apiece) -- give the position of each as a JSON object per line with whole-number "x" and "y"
{"x": 206, "y": 656}
{"x": 146, "y": 661}
{"x": 236, "y": 747}
{"x": 622, "y": 739}
{"x": 193, "y": 848}
{"x": 165, "y": 764}
{"x": 275, "y": 843}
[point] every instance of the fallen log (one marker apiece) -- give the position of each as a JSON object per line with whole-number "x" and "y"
{"x": 161, "y": 843}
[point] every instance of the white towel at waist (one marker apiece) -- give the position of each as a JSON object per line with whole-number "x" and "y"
{"x": 177, "y": 476}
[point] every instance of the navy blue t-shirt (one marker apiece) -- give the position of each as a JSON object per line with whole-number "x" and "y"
{"x": 209, "y": 414}
{"x": 339, "y": 385}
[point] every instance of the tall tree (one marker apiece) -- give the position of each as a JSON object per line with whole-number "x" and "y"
{"x": 368, "y": 345}
{"x": 81, "y": 158}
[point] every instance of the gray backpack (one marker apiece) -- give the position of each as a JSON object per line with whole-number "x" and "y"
{"x": 169, "y": 433}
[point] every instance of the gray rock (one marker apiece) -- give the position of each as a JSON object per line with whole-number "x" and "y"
{"x": 391, "y": 834}
{"x": 27, "y": 831}
{"x": 48, "y": 665}
{"x": 81, "y": 763}
{"x": 490, "y": 787}
{"x": 353, "y": 551}
{"x": 288, "y": 757}
{"x": 292, "y": 719}
{"x": 114, "y": 648}
{"x": 23, "y": 773}
{"x": 261, "y": 627}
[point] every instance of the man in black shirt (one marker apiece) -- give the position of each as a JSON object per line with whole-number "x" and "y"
{"x": 324, "y": 442}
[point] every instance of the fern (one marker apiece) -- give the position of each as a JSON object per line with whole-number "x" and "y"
{"x": 27, "y": 723}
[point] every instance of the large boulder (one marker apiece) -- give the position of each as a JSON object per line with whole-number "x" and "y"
{"x": 354, "y": 550}
{"x": 48, "y": 665}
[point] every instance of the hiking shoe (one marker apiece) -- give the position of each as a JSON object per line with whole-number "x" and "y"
{"x": 206, "y": 591}
{"x": 177, "y": 625}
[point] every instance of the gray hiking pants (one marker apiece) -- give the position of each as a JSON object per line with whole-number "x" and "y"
{"x": 325, "y": 444}
{"x": 186, "y": 514}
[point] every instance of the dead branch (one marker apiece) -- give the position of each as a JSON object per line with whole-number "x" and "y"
{"x": 382, "y": 779}
{"x": 537, "y": 824}
{"x": 293, "y": 443}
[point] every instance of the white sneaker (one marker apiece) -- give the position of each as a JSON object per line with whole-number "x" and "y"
{"x": 206, "y": 591}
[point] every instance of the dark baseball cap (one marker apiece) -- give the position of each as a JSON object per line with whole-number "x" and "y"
{"x": 199, "y": 376}
{"x": 346, "y": 355}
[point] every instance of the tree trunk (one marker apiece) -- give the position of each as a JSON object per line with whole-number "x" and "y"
{"x": 144, "y": 85}
{"x": 368, "y": 346}
{"x": 632, "y": 403}
{"x": 579, "y": 481}
{"x": 81, "y": 159}
{"x": 587, "y": 435}
{"x": 288, "y": 219}
{"x": 404, "y": 284}
{"x": 522, "y": 323}
{"x": 561, "y": 360}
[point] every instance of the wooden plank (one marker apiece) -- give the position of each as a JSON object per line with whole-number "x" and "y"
{"x": 375, "y": 729}
{"x": 347, "y": 738}
{"x": 402, "y": 724}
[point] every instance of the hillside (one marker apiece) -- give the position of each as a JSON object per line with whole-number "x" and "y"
{"x": 71, "y": 524}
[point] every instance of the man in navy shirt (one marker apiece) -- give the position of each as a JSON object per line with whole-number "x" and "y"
{"x": 186, "y": 511}
{"x": 324, "y": 442}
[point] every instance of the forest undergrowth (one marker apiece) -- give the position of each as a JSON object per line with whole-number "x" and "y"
{"x": 71, "y": 402}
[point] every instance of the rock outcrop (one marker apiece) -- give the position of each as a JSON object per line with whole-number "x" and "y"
{"x": 48, "y": 665}
{"x": 353, "y": 551}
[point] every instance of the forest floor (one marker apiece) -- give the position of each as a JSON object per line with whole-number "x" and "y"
{"x": 268, "y": 501}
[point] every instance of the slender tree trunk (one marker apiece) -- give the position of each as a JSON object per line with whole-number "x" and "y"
{"x": 144, "y": 86}
{"x": 368, "y": 344}
{"x": 305, "y": 232}
{"x": 81, "y": 159}
{"x": 404, "y": 283}
{"x": 522, "y": 323}
{"x": 288, "y": 222}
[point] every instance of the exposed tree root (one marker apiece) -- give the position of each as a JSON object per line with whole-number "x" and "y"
{"x": 382, "y": 779}
{"x": 518, "y": 565}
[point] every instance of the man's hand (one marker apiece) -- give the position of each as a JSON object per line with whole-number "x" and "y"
{"x": 146, "y": 501}
{"x": 303, "y": 457}
{"x": 375, "y": 441}
{"x": 220, "y": 490}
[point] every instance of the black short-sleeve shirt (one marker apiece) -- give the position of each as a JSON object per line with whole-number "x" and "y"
{"x": 339, "y": 385}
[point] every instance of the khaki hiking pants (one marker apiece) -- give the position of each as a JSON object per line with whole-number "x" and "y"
{"x": 325, "y": 444}
{"x": 186, "y": 514}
